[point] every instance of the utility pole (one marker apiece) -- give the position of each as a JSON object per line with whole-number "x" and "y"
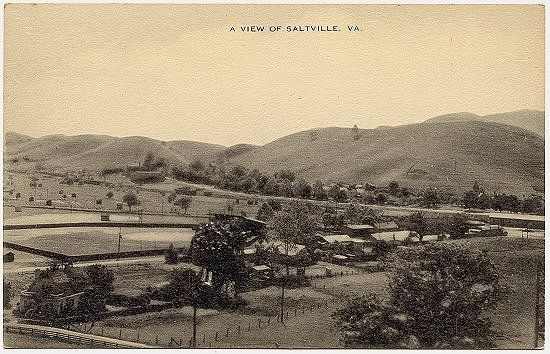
{"x": 283, "y": 283}
{"x": 119, "y": 238}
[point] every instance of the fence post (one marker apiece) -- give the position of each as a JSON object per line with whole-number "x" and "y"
{"x": 227, "y": 332}
{"x": 239, "y": 329}
{"x": 204, "y": 337}
{"x": 259, "y": 323}
{"x": 295, "y": 312}
{"x": 248, "y": 326}
{"x": 137, "y": 339}
{"x": 268, "y": 320}
{"x": 216, "y": 338}
{"x": 157, "y": 340}
{"x": 180, "y": 342}
{"x": 287, "y": 315}
{"x": 120, "y": 334}
{"x": 102, "y": 331}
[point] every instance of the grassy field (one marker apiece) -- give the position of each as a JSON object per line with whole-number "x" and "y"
{"x": 309, "y": 324}
{"x": 89, "y": 240}
{"x": 152, "y": 197}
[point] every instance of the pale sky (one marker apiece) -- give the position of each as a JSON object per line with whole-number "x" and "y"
{"x": 175, "y": 72}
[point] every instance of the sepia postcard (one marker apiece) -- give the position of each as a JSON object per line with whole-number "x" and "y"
{"x": 283, "y": 176}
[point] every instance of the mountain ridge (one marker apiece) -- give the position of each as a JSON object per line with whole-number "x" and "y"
{"x": 449, "y": 154}
{"x": 529, "y": 119}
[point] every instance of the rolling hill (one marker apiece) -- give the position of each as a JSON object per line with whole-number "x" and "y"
{"x": 449, "y": 155}
{"x": 95, "y": 152}
{"x": 449, "y": 152}
{"x": 527, "y": 119}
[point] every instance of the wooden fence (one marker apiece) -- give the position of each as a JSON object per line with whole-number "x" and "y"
{"x": 70, "y": 336}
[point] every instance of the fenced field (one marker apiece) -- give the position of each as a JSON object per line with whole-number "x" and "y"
{"x": 91, "y": 240}
{"x": 153, "y": 198}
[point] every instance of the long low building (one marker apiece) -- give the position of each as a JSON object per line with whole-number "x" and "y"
{"x": 342, "y": 239}
{"x": 395, "y": 236}
{"x": 517, "y": 220}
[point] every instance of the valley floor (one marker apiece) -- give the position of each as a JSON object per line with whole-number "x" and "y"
{"x": 309, "y": 323}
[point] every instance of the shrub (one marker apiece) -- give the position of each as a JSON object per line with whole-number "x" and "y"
{"x": 171, "y": 255}
{"x": 7, "y": 294}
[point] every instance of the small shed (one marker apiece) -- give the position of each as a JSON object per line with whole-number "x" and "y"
{"x": 105, "y": 217}
{"x": 431, "y": 238}
{"x": 385, "y": 226}
{"x": 359, "y": 230}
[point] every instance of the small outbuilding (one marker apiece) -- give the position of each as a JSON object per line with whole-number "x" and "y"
{"x": 360, "y": 230}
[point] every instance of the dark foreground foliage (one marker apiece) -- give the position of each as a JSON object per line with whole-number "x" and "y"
{"x": 438, "y": 294}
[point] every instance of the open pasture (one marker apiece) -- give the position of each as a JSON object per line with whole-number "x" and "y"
{"x": 152, "y": 197}
{"x": 90, "y": 240}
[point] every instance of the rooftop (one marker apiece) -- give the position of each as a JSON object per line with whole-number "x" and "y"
{"x": 386, "y": 225}
{"x": 261, "y": 267}
{"x": 342, "y": 238}
{"x": 360, "y": 227}
{"x": 392, "y": 235}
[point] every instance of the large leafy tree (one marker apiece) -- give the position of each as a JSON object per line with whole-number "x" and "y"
{"x": 418, "y": 224}
{"x": 295, "y": 224}
{"x": 130, "y": 199}
{"x": 358, "y": 214}
{"x": 457, "y": 226}
{"x": 265, "y": 213}
{"x": 438, "y": 296}
{"x": 99, "y": 285}
{"x": 184, "y": 203}
{"x": 218, "y": 247}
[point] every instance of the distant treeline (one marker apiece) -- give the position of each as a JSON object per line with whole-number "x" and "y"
{"x": 285, "y": 183}
{"x": 478, "y": 199}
